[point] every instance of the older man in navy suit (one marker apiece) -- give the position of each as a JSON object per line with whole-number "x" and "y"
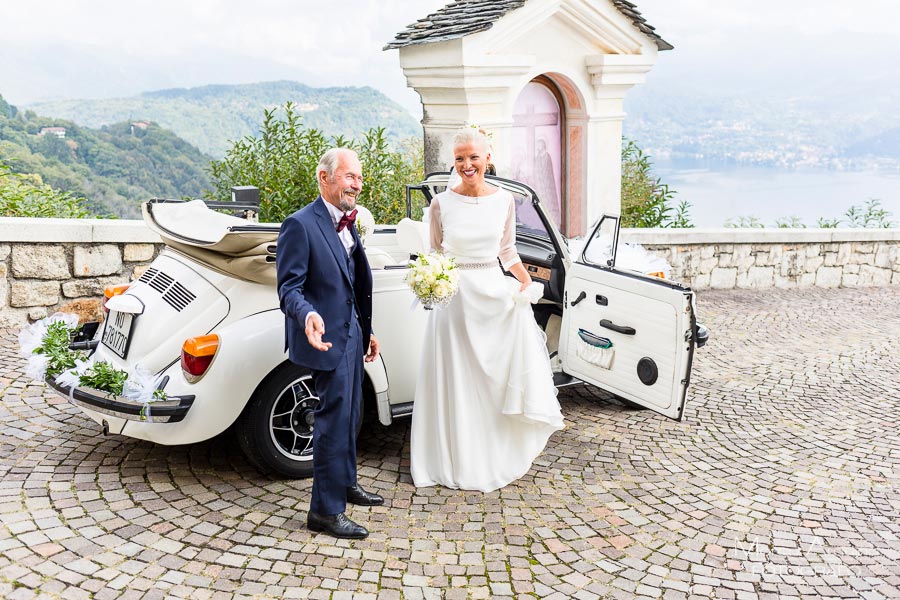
{"x": 325, "y": 290}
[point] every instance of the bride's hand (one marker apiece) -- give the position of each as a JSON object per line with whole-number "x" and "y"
{"x": 521, "y": 274}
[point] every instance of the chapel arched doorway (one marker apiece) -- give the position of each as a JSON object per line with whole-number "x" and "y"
{"x": 539, "y": 142}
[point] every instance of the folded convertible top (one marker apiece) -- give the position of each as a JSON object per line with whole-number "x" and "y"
{"x": 229, "y": 244}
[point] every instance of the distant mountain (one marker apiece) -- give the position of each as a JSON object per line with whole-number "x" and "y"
{"x": 886, "y": 143}
{"x": 764, "y": 131}
{"x": 115, "y": 167}
{"x": 801, "y": 102}
{"x": 211, "y": 116}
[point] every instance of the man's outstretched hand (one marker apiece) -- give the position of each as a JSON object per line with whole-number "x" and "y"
{"x": 315, "y": 329}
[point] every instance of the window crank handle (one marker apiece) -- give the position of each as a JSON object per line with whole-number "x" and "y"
{"x": 580, "y": 297}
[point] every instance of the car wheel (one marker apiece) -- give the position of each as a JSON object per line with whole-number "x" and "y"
{"x": 275, "y": 430}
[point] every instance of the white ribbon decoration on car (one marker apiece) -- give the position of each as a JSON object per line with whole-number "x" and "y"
{"x": 71, "y": 377}
{"x": 139, "y": 387}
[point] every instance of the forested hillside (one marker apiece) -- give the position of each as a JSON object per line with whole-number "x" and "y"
{"x": 211, "y": 116}
{"x": 115, "y": 167}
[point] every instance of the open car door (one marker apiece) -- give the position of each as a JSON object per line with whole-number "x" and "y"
{"x": 628, "y": 333}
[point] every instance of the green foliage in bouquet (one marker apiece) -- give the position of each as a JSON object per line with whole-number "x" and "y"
{"x": 105, "y": 377}
{"x": 55, "y": 346}
{"x": 102, "y": 376}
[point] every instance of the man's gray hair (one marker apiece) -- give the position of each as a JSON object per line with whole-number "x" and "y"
{"x": 329, "y": 161}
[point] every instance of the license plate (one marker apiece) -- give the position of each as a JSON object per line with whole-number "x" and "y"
{"x": 117, "y": 332}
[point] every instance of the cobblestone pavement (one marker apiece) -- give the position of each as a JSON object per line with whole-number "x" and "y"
{"x": 781, "y": 482}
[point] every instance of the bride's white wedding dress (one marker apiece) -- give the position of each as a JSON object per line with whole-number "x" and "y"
{"x": 485, "y": 401}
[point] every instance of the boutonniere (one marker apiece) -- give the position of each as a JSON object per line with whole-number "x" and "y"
{"x": 365, "y": 223}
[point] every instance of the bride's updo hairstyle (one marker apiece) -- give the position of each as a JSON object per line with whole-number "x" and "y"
{"x": 475, "y": 134}
{"x": 468, "y": 135}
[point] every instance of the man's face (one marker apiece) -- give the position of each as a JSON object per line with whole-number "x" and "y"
{"x": 343, "y": 187}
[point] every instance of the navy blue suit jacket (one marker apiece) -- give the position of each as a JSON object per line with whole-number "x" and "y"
{"x": 313, "y": 276}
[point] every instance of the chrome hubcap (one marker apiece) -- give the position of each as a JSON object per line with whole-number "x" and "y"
{"x": 292, "y": 418}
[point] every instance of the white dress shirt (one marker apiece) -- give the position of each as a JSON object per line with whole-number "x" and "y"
{"x": 345, "y": 236}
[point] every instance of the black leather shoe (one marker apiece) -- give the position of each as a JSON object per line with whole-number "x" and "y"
{"x": 360, "y": 497}
{"x": 337, "y": 525}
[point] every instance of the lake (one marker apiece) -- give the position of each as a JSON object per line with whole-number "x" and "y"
{"x": 719, "y": 193}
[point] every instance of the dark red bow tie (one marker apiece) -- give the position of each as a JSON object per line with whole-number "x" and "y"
{"x": 347, "y": 220}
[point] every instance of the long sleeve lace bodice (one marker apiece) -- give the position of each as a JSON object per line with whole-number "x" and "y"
{"x": 475, "y": 228}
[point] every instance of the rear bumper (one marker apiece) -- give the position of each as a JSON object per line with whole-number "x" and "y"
{"x": 171, "y": 410}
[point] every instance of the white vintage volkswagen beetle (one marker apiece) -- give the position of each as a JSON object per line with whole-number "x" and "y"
{"x": 205, "y": 317}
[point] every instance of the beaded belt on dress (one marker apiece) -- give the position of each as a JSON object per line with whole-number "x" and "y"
{"x": 477, "y": 265}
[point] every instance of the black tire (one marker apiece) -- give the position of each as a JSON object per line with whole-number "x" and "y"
{"x": 276, "y": 428}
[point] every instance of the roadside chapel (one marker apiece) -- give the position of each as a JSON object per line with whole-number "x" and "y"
{"x": 547, "y": 78}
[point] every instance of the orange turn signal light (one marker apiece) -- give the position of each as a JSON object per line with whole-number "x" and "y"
{"x": 204, "y": 345}
{"x": 114, "y": 290}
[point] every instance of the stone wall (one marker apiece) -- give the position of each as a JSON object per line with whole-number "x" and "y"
{"x": 782, "y": 258}
{"x": 52, "y": 264}
{"x": 59, "y": 264}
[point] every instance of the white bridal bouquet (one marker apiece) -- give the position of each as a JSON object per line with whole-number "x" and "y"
{"x": 433, "y": 278}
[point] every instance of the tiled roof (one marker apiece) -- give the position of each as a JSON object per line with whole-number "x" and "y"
{"x": 463, "y": 17}
{"x": 629, "y": 9}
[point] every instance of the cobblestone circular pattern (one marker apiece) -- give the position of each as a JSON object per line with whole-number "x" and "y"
{"x": 781, "y": 482}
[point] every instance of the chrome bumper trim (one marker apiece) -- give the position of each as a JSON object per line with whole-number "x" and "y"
{"x": 171, "y": 410}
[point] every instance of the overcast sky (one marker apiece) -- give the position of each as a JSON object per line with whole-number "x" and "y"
{"x": 65, "y": 48}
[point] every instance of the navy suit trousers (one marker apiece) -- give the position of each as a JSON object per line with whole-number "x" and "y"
{"x": 334, "y": 432}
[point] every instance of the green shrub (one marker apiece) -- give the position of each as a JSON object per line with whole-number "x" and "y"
{"x": 792, "y": 222}
{"x": 744, "y": 222}
{"x": 282, "y": 162}
{"x": 29, "y": 196}
{"x": 871, "y": 215}
{"x": 646, "y": 201}
{"x": 824, "y": 223}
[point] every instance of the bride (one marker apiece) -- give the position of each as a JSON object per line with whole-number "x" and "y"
{"x": 485, "y": 402}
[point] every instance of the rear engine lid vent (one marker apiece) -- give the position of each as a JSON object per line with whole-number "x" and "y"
{"x": 178, "y": 296}
{"x": 175, "y": 294}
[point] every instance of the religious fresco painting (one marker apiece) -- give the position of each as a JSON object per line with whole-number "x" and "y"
{"x": 537, "y": 150}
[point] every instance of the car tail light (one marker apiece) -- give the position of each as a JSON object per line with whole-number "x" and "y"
{"x": 113, "y": 290}
{"x": 197, "y": 354}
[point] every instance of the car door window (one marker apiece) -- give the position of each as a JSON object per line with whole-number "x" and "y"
{"x": 600, "y": 249}
{"x": 527, "y": 219}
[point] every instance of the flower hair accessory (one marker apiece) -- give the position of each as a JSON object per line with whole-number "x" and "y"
{"x": 488, "y": 134}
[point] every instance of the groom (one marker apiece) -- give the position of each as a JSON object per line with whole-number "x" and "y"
{"x": 325, "y": 291}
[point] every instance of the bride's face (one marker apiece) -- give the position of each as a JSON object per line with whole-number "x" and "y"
{"x": 470, "y": 161}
